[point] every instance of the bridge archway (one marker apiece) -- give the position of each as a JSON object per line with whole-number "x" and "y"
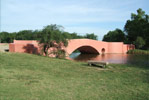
{"x": 84, "y": 46}
{"x": 87, "y": 50}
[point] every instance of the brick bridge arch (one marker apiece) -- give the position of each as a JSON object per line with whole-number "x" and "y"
{"x": 97, "y": 47}
{"x": 86, "y": 46}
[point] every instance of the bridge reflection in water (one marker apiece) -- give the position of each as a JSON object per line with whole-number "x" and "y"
{"x": 113, "y": 58}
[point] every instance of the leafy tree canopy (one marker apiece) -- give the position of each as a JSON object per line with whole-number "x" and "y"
{"x": 136, "y": 31}
{"x": 138, "y": 26}
{"x": 91, "y": 36}
{"x": 139, "y": 42}
{"x": 114, "y": 36}
{"x": 51, "y": 36}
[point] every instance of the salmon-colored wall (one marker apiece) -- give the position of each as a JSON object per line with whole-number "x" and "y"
{"x": 25, "y": 41}
{"x": 94, "y": 46}
{"x": 125, "y": 48}
{"x": 11, "y": 47}
{"x": 115, "y": 47}
{"x": 24, "y": 46}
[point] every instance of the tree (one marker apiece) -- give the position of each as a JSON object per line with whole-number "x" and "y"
{"x": 138, "y": 26}
{"x": 139, "y": 43}
{"x": 91, "y": 36}
{"x": 24, "y": 35}
{"x": 50, "y": 36}
{"x": 75, "y": 36}
{"x": 115, "y": 36}
{"x": 67, "y": 35}
{"x": 5, "y": 37}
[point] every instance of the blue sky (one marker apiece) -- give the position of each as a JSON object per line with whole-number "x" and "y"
{"x": 81, "y": 16}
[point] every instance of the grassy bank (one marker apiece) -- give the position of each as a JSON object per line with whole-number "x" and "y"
{"x": 31, "y": 77}
{"x": 137, "y": 51}
{"x": 4, "y": 47}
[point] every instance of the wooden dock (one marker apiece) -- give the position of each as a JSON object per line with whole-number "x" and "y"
{"x": 101, "y": 63}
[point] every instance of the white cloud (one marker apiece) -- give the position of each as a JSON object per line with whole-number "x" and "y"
{"x": 32, "y": 14}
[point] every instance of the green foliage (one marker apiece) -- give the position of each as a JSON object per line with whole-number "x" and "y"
{"x": 137, "y": 51}
{"x": 60, "y": 54}
{"x": 75, "y": 36}
{"x": 6, "y": 37}
{"x": 24, "y": 35}
{"x": 138, "y": 26}
{"x": 91, "y": 36}
{"x": 139, "y": 43}
{"x": 114, "y": 36}
{"x": 51, "y": 36}
{"x": 136, "y": 29}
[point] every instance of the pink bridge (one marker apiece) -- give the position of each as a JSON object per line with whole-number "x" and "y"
{"x": 83, "y": 45}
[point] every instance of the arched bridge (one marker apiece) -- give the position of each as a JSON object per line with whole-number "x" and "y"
{"x": 83, "y": 45}
{"x": 96, "y": 47}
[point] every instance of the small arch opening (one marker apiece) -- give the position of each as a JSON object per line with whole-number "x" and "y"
{"x": 103, "y": 50}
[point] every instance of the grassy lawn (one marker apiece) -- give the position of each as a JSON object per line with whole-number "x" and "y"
{"x": 32, "y": 77}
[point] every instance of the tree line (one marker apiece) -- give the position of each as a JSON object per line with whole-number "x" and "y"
{"x": 8, "y": 37}
{"x": 136, "y": 31}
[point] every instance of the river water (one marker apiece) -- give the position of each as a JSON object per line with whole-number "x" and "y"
{"x": 113, "y": 58}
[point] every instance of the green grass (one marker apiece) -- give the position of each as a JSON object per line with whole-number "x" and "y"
{"x": 138, "y": 51}
{"x": 3, "y": 47}
{"x": 32, "y": 77}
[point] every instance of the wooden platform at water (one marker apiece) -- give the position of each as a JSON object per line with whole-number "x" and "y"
{"x": 101, "y": 63}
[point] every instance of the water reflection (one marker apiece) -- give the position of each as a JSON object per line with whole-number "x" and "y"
{"x": 113, "y": 58}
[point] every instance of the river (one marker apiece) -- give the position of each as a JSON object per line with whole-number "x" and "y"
{"x": 113, "y": 58}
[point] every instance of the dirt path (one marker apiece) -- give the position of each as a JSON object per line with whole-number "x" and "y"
{"x": 4, "y": 47}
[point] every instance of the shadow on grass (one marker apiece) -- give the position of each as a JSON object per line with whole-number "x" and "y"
{"x": 139, "y": 65}
{"x": 140, "y": 61}
{"x": 146, "y": 77}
